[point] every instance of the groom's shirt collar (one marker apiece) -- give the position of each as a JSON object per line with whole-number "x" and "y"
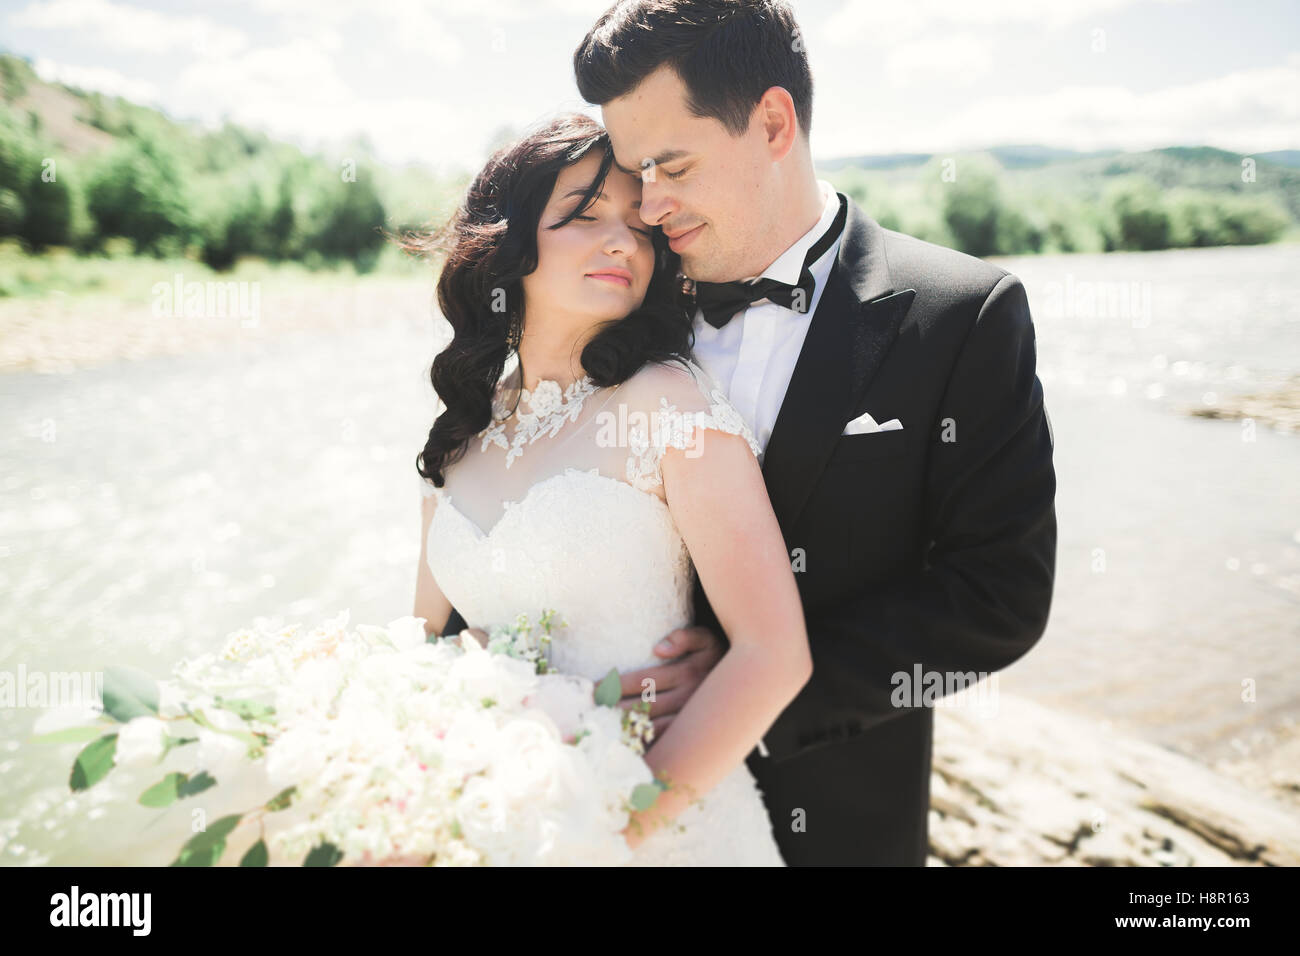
{"x": 788, "y": 265}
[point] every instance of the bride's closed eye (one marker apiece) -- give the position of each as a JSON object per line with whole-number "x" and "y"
{"x": 644, "y": 232}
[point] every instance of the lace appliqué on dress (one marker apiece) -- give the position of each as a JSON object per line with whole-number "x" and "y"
{"x": 670, "y": 428}
{"x": 547, "y": 412}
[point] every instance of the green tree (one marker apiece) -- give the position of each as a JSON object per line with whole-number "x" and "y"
{"x": 1141, "y": 220}
{"x": 972, "y": 205}
{"x": 138, "y": 192}
{"x": 349, "y": 222}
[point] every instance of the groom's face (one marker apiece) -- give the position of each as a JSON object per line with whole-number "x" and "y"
{"x": 702, "y": 185}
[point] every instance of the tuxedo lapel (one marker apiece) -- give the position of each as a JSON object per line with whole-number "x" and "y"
{"x": 851, "y": 330}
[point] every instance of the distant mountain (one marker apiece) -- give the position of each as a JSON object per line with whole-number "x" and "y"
{"x": 886, "y": 161}
{"x": 1030, "y": 156}
{"x": 1283, "y": 157}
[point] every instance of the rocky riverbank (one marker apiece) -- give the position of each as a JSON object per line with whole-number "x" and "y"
{"x": 1278, "y": 408}
{"x": 1034, "y": 787}
{"x": 61, "y": 333}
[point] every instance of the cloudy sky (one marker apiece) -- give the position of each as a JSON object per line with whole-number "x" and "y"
{"x": 433, "y": 81}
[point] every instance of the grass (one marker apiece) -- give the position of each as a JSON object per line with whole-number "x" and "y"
{"x": 119, "y": 274}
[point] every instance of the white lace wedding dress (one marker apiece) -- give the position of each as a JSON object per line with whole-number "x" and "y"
{"x": 562, "y": 507}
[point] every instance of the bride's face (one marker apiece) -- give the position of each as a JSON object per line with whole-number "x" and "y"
{"x": 597, "y": 266}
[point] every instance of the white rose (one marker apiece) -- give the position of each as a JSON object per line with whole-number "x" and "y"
{"x": 482, "y": 812}
{"x": 527, "y": 760}
{"x": 312, "y": 689}
{"x": 295, "y": 757}
{"x": 470, "y": 743}
{"x": 503, "y": 679}
{"x": 141, "y": 742}
{"x": 564, "y": 699}
{"x": 407, "y": 632}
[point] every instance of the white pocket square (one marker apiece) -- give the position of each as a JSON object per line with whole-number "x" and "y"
{"x": 864, "y": 424}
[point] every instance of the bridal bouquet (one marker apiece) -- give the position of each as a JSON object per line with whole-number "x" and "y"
{"x": 376, "y": 745}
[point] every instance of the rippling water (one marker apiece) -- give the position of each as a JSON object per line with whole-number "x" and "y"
{"x": 148, "y": 508}
{"x": 1178, "y": 565}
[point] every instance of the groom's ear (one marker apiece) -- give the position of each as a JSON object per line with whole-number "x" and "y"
{"x": 780, "y": 121}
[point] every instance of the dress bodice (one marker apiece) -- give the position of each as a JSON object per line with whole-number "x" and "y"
{"x": 567, "y": 511}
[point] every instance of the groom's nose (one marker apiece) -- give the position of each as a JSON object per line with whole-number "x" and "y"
{"x": 655, "y": 204}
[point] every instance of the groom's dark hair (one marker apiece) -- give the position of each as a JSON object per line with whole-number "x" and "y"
{"x": 726, "y": 52}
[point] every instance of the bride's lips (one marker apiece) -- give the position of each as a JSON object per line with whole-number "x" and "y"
{"x": 616, "y": 276}
{"x": 681, "y": 240}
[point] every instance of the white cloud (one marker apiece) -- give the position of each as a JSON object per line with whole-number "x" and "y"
{"x": 295, "y": 91}
{"x": 959, "y": 58}
{"x": 96, "y": 79}
{"x": 121, "y": 26}
{"x": 398, "y": 10}
{"x": 1247, "y": 111}
{"x": 887, "y": 24}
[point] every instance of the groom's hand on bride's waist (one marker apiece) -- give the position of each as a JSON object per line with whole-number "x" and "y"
{"x": 689, "y": 654}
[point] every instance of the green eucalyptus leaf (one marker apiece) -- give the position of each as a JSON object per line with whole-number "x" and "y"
{"x": 644, "y": 795}
{"x": 256, "y": 855}
{"x": 94, "y": 761}
{"x": 247, "y": 709}
{"x": 171, "y": 742}
{"x": 205, "y": 849}
{"x": 189, "y": 786}
{"x": 164, "y": 792}
{"x": 69, "y": 735}
{"x": 129, "y": 693}
{"x": 610, "y": 690}
{"x": 282, "y": 799}
{"x": 324, "y": 854}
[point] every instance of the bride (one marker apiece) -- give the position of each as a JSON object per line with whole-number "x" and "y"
{"x": 582, "y": 461}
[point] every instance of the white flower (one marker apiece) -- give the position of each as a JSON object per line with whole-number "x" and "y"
{"x": 169, "y": 699}
{"x": 470, "y": 744}
{"x": 482, "y": 812}
{"x": 502, "y": 679}
{"x": 295, "y": 757}
{"x": 526, "y": 762}
{"x": 141, "y": 742}
{"x": 564, "y": 698}
{"x": 220, "y": 753}
{"x": 407, "y": 632}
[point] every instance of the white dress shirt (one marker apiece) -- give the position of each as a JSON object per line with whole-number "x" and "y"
{"x": 752, "y": 357}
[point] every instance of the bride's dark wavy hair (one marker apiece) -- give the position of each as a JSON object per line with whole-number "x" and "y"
{"x": 490, "y": 244}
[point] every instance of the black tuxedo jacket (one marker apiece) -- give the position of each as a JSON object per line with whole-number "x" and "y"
{"x": 931, "y": 547}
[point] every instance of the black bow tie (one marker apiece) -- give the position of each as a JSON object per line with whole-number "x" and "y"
{"x": 720, "y": 301}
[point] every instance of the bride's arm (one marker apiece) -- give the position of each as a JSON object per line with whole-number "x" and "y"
{"x": 719, "y": 502}
{"x": 430, "y": 603}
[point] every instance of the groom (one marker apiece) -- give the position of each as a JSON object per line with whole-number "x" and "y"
{"x": 891, "y": 384}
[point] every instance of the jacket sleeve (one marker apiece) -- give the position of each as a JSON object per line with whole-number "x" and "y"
{"x": 982, "y": 596}
{"x": 455, "y": 624}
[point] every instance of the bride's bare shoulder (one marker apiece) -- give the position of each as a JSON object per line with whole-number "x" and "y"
{"x": 669, "y": 379}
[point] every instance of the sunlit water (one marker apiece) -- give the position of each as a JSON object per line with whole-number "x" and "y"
{"x": 1178, "y": 566}
{"x": 148, "y": 508}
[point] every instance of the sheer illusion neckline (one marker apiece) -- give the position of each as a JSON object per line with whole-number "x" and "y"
{"x": 541, "y": 411}
{"x": 546, "y": 398}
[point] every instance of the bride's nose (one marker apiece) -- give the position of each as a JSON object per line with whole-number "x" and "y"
{"x": 620, "y": 240}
